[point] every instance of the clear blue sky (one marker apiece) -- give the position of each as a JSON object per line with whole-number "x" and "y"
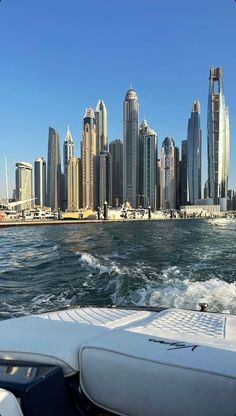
{"x": 58, "y": 57}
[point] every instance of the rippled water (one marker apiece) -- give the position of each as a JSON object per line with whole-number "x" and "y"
{"x": 158, "y": 263}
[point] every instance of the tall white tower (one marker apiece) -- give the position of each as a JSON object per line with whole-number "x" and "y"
{"x": 101, "y": 127}
{"x": 218, "y": 138}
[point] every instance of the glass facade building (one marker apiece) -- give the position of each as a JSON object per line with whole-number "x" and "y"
{"x": 116, "y": 151}
{"x": 168, "y": 174}
{"x": 53, "y": 170}
{"x": 194, "y": 159}
{"x": 150, "y": 169}
{"x": 40, "y": 181}
{"x": 218, "y": 138}
{"x": 131, "y": 149}
{"x": 105, "y": 178}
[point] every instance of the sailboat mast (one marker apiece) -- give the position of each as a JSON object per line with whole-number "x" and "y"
{"x": 6, "y": 177}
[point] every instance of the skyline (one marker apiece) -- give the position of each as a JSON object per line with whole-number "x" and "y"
{"x": 39, "y": 92}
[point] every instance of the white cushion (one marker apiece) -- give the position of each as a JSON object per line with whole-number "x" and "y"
{"x": 45, "y": 341}
{"x": 137, "y": 375}
{"x": 8, "y": 404}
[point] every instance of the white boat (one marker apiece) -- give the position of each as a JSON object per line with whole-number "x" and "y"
{"x": 106, "y": 361}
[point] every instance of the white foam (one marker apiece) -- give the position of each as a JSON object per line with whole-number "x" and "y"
{"x": 95, "y": 263}
{"x": 220, "y": 295}
{"x": 173, "y": 288}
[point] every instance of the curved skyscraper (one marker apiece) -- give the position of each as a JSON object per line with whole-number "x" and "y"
{"x": 194, "y": 149}
{"x": 131, "y": 148}
{"x": 218, "y": 137}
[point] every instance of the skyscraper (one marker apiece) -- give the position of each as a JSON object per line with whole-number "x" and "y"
{"x": 177, "y": 174}
{"x": 53, "y": 170}
{"x": 105, "y": 178}
{"x": 184, "y": 173}
{"x": 149, "y": 168}
{"x": 40, "y": 181}
{"x": 194, "y": 149}
{"x": 73, "y": 184}
{"x": 24, "y": 184}
{"x": 68, "y": 153}
{"x": 142, "y": 131}
{"x": 116, "y": 151}
{"x": 131, "y": 148}
{"x": 168, "y": 174}
{"x": 101, "y": 127}
{"x": 218, "y": 137}
{"x": 158, "y": 183}
{"x": 89, "y": 159}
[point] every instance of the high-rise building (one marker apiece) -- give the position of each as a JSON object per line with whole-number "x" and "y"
{"x": 68, "y": 153}
{"x": 206, "y": 190}
{"x": 142, "y": 131}
{"x": 178, "y": 171}
{"x": 73, "y": 184}
{"x": 158, "y": 183}
{"x": 24, "y": 185}
{"x": 88, "y": 152}
{"x": 40, "y": 181}
{"x": 101, "y": 127}
{"x": 53, "y": 170}
{"x": 101, "y": 143}
{"x": 116, "y": 151}
{"x": 218, "y": 137}
{"x": 230, "y": 200}
{"x": 194, "y": 149}
{"x": 149, "y": 169}
{"x": 184, "y": 173}
{"x": 131, "y": 148}
{"x": 168, "y": 174}
{"x": 105, "y": 178}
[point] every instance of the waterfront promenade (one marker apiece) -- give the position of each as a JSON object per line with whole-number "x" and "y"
{"x": 5, "y": 224}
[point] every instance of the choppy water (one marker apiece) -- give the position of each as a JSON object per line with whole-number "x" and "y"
{"x": 158, "y": 263}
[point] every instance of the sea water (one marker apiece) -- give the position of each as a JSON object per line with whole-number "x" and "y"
{"x": 168, "y": 263}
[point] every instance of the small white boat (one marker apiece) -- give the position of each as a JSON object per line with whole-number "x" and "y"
{"x": 106, "y": 361}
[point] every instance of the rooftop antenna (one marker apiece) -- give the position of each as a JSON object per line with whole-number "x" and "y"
{"x": 6, "y": 177}
{"x": 131, "y": 86}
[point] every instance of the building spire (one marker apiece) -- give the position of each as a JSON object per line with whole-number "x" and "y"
{"x": 68, "y": 137}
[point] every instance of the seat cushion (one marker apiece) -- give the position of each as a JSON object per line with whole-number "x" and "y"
{"x": 137, "y": 374}
{"x": 45, "y": 341}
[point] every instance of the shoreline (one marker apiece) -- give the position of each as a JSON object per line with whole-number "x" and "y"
{"x": 109, "y": 221}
